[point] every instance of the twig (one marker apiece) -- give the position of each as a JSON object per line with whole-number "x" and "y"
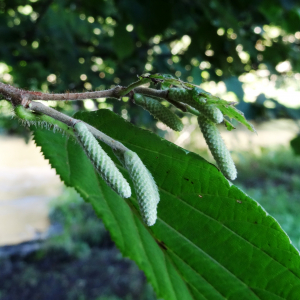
{"x": 134, "y": 85}
{"x": 152, "y": 92}
{"x": 23, "y": 97}
{"x": 43, "y": 109}
{"x": 19, "y": 96}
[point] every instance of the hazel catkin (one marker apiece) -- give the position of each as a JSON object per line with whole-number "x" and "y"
{"x": 101, "y": 161}
{"x": 159, "y": 111}
{"x": 217, "y": 147}
{"x": 145, "y": 187}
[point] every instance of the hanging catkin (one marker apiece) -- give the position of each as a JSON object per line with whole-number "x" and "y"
{"x": 198, "y": 102}
{"x": 145, "y": 187}
{"x": 101, "y": 161}
{"x": 159, "y": 111}
{"x": 217, "y": 147}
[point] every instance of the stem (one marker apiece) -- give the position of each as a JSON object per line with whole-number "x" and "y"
{"x": 134, "y": 85}
{"x": 23, "y": 97}
{"x": 152, "y": 92}
{"x": 41, "y": 108}
{"x": 192, "y": 110}
{"x": 113, "y": 93}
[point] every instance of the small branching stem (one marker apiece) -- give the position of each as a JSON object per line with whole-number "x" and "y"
{"x": 18, "y": 96}
{"x": 134, "y": 85}
{"x": 22, "y": 97}
{"x": 43, "y": 109}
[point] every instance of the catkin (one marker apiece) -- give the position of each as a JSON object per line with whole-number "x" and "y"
{"x": 183, "y": 95}
{"x": 144, "y": 185}
{"x": 28, "y": 118}
{"x": 159, "y": 111}
{"x": 217, "y": 147}
{"x": 101, "y": 161}
{"x": 191, "y": 98}
{"x": 211, "y": 112}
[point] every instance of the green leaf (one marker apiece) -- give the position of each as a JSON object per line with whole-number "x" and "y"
{"x": 234, "y": 113}
{"x": 211, "y": 241}
{"x": 228, "y": 125}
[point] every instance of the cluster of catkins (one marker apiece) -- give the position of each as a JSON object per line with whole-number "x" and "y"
{"x": 143, "y": 182}
{"x": 145, "y": 187}
{"x": 209, "y": 116}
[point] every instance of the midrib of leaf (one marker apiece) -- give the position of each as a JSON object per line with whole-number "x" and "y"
{"x": 146, "y": 255}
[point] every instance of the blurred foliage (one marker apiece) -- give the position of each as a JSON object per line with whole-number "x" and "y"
{"x": 112, "y": 39}
{"x": 295, "y": 144}
{"x": 272, "y": 178}
{"x": 68, "y": 45}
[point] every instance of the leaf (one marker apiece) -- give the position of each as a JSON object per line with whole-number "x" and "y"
{"x": 211, "y": 241}
{"x": 234, "y": 113}
{"x": 228, "y": 125}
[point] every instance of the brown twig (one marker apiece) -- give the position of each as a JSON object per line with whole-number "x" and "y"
{"x": 19, "y": 96}
{"x": 43, "y": 109}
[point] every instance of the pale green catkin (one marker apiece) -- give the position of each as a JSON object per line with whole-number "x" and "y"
{"x": 217, "y": 147}
{"x": 192, "y": 98}
{"x": 120, "y": 156}
{"x": 212, "y": 113}
{"x": 101, "y": 161}
{"x": 29, "y": 118}
{"x": 159, "y": 111}
{"x": 144, "y": 185}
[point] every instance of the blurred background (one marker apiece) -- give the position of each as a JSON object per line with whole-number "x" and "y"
{"x": 52, "y": 246}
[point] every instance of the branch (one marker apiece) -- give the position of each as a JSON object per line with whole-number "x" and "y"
{"x": 152, "y": 92}
{"x": 19, "y": 96}
{"x": 23, "y": 97}
{"x": 43, "y": 109}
